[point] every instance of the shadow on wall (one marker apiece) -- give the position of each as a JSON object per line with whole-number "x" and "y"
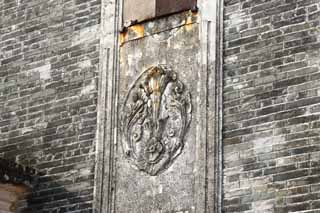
{"x": 53, "y": 198}
{"x": 44, "y": 194}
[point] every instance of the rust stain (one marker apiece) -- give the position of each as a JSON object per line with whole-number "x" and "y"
{"x": 138, "y": 29}
{"x": 153, "y": 72}
{"x": 189, "y": 23}
{"x": 155, "y": 86}
{"x": 152, "y": 84}
{"x": 195, "y": 13}
{"x": 122, "y": 38}
{"x": 153, "y": 79}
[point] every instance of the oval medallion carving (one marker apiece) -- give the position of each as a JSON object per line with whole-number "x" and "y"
{"x": 156, "y": 116}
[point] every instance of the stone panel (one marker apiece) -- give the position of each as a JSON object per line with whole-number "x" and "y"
{"x": 172, "y": 189}
{"x": 181, "y": 49}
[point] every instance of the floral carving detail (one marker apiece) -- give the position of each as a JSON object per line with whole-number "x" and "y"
{"x": 156, "y": 115}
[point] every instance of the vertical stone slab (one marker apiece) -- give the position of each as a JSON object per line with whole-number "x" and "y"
{"x": 179, "y": 49}
{"x": 211, "y": 41}
{"x": 175, "y": 45}
{"x": 107, "y": 106}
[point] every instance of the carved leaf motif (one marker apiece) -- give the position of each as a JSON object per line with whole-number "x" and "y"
{"x": 156, "y": 116}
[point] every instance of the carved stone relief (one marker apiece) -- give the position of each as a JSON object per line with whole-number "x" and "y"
{"x": 156, "y": 116}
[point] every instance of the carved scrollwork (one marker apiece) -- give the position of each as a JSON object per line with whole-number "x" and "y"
{"x": 156, "y": 115}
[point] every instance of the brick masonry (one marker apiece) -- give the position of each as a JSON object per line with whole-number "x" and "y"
{"x": 271, "y": 106}
{"x": 49, "y": 55}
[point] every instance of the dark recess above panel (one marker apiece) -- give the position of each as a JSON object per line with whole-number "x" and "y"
{"x": 135, "y": 11}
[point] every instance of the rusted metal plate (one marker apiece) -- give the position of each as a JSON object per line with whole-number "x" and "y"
{"x": 135, "y": 11}
{"x": 165, "y": 7}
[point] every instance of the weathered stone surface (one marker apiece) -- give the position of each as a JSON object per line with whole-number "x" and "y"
{"x": 171, "y": 190}
{"x": 155, "y": 118}
{"x": 185, "y": 184}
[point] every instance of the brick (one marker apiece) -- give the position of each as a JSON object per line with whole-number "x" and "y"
{"x": 293, "y": 21}
{"x": 290, "y": 175}
{"x": 242, "y": 41}
{"x": 290, "y": 82}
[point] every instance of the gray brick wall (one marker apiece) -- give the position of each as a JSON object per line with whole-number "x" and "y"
{"x": 271, "y": 106}
{"x": 49, "y": 54}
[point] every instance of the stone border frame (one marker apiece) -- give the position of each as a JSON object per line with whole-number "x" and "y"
{"x": 210, "y": 176}
{"x": 107, "y": 119}
{"x": 211, "y": 39}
